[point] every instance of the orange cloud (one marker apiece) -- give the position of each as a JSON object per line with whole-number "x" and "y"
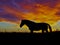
{"x": 37, "y": 12}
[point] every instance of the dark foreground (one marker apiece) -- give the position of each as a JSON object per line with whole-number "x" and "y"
{"x": 29, "y": 36}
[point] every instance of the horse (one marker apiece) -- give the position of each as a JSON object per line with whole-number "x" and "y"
{"x": 36, "y": 26}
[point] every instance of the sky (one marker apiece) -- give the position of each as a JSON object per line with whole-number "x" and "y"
{"x": 13, "y": 11}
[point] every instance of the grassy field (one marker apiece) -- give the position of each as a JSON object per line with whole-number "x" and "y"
{"x": 29, "y": 36}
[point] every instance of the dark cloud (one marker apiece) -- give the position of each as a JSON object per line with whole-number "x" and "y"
{"x": 9, "y": 17}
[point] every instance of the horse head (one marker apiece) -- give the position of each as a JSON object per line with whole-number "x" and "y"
{"x": 22, "y": 23}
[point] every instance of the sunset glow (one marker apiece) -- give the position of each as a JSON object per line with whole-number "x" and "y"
{"x": 14, "y": 11}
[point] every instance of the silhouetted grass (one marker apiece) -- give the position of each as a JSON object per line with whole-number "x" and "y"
{"x": 28, "y": 36}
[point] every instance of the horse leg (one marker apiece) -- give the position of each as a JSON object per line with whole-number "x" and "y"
{"x": 31, "y": 31}
{"x": 46, "y": 30}
{"x": 42, "y": 31}
{"x": 50, "y": 30}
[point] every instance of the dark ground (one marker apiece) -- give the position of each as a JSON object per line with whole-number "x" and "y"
{"x": 29, "y": 36}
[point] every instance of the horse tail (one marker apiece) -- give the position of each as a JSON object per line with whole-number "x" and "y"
{"x": 50, "y": 28}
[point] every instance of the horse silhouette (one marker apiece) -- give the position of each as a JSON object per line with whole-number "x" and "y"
{"x": 36, "y": 26}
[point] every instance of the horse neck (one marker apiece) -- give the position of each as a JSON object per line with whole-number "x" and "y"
{"x": 28, "y": 23}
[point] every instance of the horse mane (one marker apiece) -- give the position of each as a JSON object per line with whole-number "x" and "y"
{"x": 28, "y": 21}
